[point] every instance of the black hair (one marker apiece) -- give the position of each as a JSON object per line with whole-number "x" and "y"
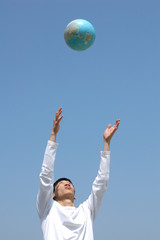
{"x": 59, "y": 180}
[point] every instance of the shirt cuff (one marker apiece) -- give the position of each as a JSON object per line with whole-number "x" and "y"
{"x": 105, "y": 153}
{"x": 54, "y": 144}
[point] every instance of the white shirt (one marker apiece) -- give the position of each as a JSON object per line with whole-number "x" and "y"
{"x": 69, "y": 223}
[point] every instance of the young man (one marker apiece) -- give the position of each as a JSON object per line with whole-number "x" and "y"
{"x": 60, "y": 219}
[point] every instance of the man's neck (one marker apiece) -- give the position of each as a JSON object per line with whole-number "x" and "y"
{"x": 66, "y": 203}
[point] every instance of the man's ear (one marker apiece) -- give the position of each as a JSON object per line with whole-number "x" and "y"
{"x": 54, "y": 196}
{"x": 74, "y": 198}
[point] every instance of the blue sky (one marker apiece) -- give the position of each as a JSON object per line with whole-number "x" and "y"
{"x": 118, "y": 77}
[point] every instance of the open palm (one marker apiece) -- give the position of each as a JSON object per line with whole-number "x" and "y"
{"x": 109, "y": 132}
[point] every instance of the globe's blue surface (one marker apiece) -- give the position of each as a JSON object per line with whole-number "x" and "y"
{"x": 79, "y": 34}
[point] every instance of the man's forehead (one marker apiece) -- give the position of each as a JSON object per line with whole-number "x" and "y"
{"x": 63, "y": 181}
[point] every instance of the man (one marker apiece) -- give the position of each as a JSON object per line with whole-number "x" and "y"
{"x": 60, "y": 219}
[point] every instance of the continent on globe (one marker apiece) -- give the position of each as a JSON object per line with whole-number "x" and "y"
{"x": 89, "y": 37}
{"x": 79, "y": 34}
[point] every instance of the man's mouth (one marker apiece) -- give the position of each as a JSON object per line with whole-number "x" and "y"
{"x": 67, "y": 186}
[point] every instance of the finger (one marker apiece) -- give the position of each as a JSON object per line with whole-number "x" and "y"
{"x": 58, "y": 113}
{"x": 60, "y": 109}
{"x": 60, "y": 118}
{"x": 117, "y": 122}
{"x": 109, "y": 126}
{"x": 114, "y": 128}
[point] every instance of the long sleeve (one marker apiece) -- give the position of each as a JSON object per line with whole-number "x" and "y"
{"x": 44, "y": 197}
{"x": 99, "y": 185}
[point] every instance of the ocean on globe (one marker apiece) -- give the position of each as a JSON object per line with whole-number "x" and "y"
{"x": 79, "y": 34}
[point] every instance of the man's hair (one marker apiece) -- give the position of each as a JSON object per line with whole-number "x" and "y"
{"x": 59, "y": 180}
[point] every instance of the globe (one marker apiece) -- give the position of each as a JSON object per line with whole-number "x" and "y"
{"x": 79, "y": 34}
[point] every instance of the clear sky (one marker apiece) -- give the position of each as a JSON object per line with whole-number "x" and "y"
{"x": 118, "y": 77}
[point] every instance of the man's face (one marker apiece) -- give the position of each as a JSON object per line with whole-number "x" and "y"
{"x": 64, "y": 190}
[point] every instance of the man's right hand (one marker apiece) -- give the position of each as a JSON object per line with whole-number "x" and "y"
{"x": 56, "y": 125}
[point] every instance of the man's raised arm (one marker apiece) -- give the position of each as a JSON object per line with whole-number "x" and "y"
{"x": 45, "y": 194}
{"x": 101, "y": 181}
